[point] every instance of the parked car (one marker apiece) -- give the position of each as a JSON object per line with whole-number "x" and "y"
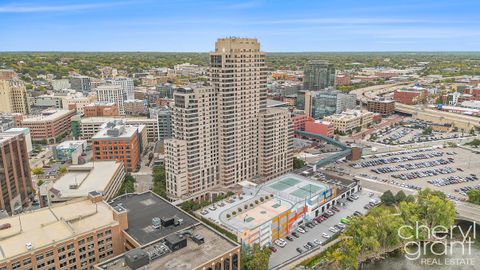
{"x": 324, "y": 235}
{"x": 289, "y": 238}
{"x": 273, "y": 249}
{"x": 300, "y": 230}
{"x": 299, "y": 250}
{"x": 318, "y": 242}
{"x": 295, "y": 234}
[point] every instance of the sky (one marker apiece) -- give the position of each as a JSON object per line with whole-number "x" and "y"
{"x": 279, "y": 25}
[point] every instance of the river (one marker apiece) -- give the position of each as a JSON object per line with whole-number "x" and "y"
{"x": 455, "y": 258}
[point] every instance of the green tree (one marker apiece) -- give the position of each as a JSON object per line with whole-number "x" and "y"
{"x": 255, "y": 258}
{"x": 38, "y": 171}
{"x": 127, "y": 186}
{"x": 298, "y": 163}
{"x": 400, "y": 197}
{"x": 474, "y": 196}
{"x": 343, "y": 257}
{"x": 62, "y": 170}
{"x": 388, "y": 198}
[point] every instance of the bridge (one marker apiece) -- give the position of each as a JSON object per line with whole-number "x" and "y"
{"x": 345, "y": 150}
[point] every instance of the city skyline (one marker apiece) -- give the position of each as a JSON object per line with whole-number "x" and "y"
{"x": 189, "y": 26}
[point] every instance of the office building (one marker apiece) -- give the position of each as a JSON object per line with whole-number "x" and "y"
{"x": 345, "y": 102}
{"x": 135, "y": 107}
{"x": 61, "y": 84}
{"x": 300, "y": 104}
{"x": 70, "y": 151}
{"x": 13, "y": 94}
{"x": 165, "y": 90}
{"x": 118, "y": 141}
{"x": 111, "y": 94}
{"x": 48, "y": 101}
{"x": 164, "y": 120}
{"x": 318, "y": 75}
{"x": 73, "y": 235}
{"x": 49, "y": 125}
{"x": 103, "y": 177}
{"x": 321, "y": 103}
{"x": 381, "y": 106}
{"x": 126, "y": 84}
{"x": 350, "y": 120}
{"x": 320, "y": 127}
{"x": 7, "y": 121}
{"x": 15, "y": 181}
{"x": 410, "y": 96}
{"x": 275, "y": 146}
{"x": 100, "y": 109}
{"x": 81, "y": 83}
{"x": 77, "y": 101}
{"x": 174, "y": 240}
{"x": 216, "y": 128}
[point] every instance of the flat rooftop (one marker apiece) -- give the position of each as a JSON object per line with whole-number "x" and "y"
{"x": 45, "y": 226}
{"x": 70, "y": 144}
{"x": 122, "y": 132}
{"x": 91, "y": 176}
{"x": 294, "y": 187}
{"x": 259, "y": 214}
{"x": 142, "y": 208}
{"x": 47, "y": 115}
{"x": 189, "y": 257}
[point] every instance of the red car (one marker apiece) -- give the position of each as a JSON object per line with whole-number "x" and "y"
{"x": 273, "y": 249}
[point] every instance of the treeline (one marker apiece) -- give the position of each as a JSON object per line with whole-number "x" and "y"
{"x": 369, "y": 237}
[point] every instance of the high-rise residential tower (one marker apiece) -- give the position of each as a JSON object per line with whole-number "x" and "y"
{"x": 238, "y": 74}
{"x": 15, "y": 181}
{"x": 220, "y": 129}
{"x": 126, "y": 84}
{"x": 318, "y": 75}
{"x": 111, "y": 94}
{"x": 13, "y": 94}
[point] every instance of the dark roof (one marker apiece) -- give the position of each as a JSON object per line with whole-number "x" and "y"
{"x": 142, "y": 208}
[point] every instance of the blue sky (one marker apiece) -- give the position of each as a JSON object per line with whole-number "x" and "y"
{"x": 281, "y": 26}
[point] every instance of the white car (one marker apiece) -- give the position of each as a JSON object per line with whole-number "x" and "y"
{"x": 280, "y": 242}
{"x": 204, "y": 212}
{"x": 300, "y": 230}
{"x": 333, "y": 230}
{"x": 318, "y": 242}
{"x": 324, "y": 235}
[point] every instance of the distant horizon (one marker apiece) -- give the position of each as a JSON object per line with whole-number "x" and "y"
{"x": 280, "y": 26}
{"x": 279, "y": 52}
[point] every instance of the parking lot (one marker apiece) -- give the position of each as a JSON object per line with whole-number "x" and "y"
{"x": 402, "y": 135}
{"x": 289, "y": 251}
{"x": 450, "y": 170}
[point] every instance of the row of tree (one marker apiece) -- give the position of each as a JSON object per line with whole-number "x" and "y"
{"x": 370, "y": 236}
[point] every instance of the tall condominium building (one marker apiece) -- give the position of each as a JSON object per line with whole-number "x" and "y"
{"x": 15, "y": 181}
{"x": 126, "y": 84}
{"x": 238, "y": 75}
{"x": 275, "y": 143}
{"x": 81, "y": 83}
{"x": 111, "y": 94}
{"x": 13, "y": 94}
{"x": 192, "y": 156}
{"x": 216, "y": 128}
{"x": 318, "y": 75}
